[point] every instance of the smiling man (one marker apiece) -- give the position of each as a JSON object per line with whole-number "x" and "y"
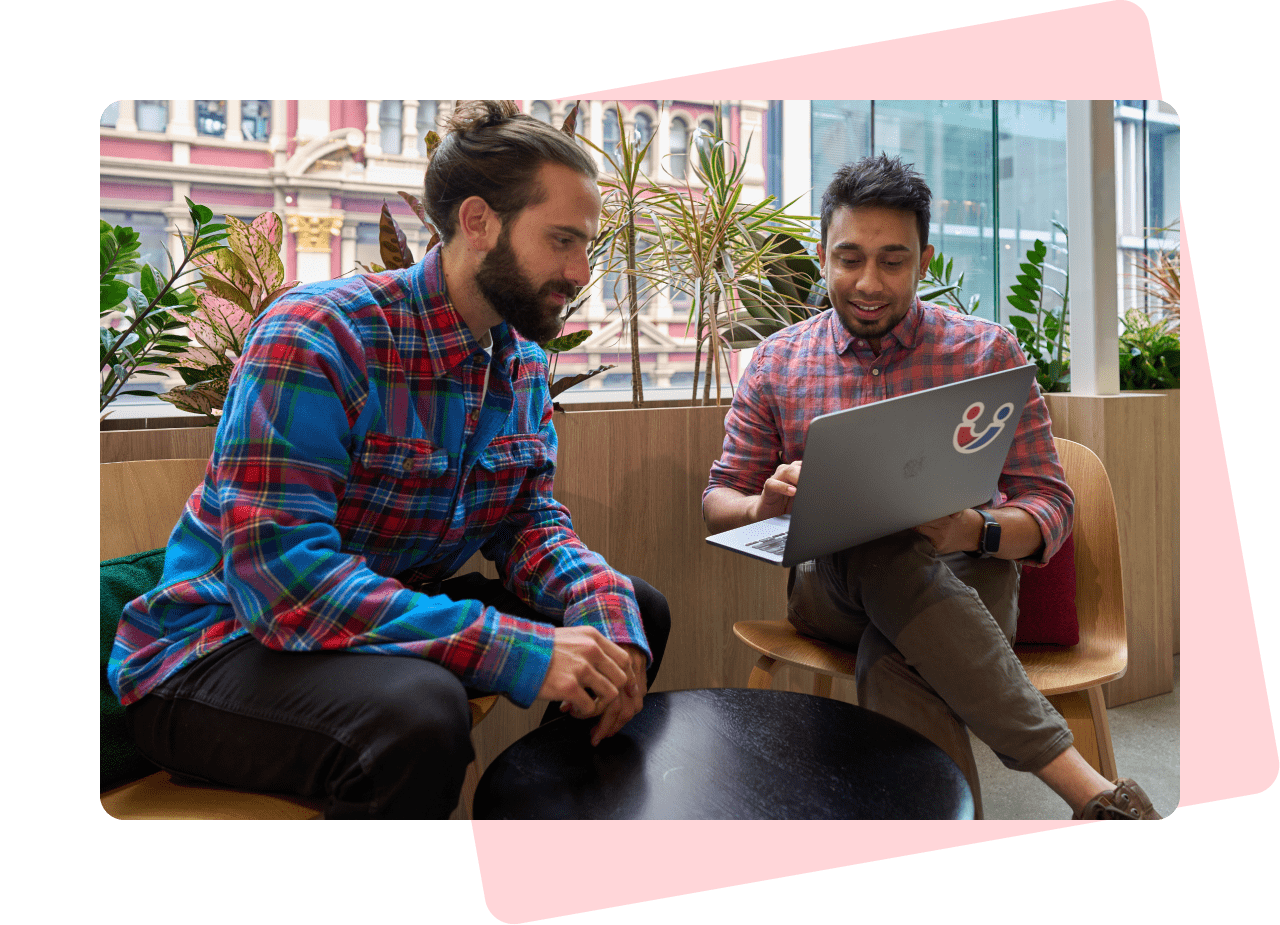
{"x": 309, "y": 634}
{"x": 931, "y": 611}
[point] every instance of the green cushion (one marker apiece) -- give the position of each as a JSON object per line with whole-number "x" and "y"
{"x": 120, "y": 581}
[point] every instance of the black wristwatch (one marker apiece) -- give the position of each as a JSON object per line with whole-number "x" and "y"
{"x": 989, "y": 538}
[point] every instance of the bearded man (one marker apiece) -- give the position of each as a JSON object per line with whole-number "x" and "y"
{"x": 309, "y": 634}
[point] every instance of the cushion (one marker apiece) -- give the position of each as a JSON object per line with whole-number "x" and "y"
{"x": 120, "y": 581}
{"x": 1047, "y": 601}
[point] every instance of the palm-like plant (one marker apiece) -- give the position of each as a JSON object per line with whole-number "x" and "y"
{"x": 730, "y": 256}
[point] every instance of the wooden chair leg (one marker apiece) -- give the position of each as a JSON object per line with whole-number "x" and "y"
{"x": 1102, "y": 730}
{"x": 762, "y": 675}
{"x": 1076, "y": 710}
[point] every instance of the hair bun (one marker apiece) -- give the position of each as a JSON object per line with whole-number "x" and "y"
{"x": 469, "y": 115}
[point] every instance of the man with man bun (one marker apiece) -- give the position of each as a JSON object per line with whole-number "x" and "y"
{"x": 309, "y": 634}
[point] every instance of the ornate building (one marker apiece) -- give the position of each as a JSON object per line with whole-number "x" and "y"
{"x": 327, "y": 167}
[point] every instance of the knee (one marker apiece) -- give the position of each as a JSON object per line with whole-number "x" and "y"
{"x": 426, "y": 714}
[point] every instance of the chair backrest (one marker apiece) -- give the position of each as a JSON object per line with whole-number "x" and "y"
{"x": 1099, "y": 588}
{"x": 142, "y": 500}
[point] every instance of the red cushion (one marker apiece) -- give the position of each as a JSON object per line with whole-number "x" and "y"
{"x": 1047, "y": 601}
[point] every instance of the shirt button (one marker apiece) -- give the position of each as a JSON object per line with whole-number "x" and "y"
{"x": 875, "y": 372}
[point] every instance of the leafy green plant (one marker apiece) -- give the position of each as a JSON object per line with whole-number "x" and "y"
{"x": 1150, "y": 352}
{"x": 240, "y": 280}
{"x": 936, "y": 285}
{"x": 139, "y": 330}
{"x": 1041, "y": 328}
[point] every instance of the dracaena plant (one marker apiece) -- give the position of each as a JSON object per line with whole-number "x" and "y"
{"x": 140, "y": 329}
{"x": 733, "y": 258}
{"x": 239, "y": 281}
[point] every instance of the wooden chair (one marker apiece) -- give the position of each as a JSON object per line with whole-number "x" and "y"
{"x": 140, "y": 503}
{"x": 1070, "y": 677}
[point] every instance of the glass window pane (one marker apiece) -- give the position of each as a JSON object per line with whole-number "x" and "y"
{"x": 255, "y": 119}
{"x": 541, "y": 111}
{"x": 950, "y": 144}
{"x": 110, "y": 115}
{"x": 211, "y": 118}
{"x": 1032, "y": 151}
{"x": 612, "y": 135}
{"x": 389, "y": 117}
{"x": 679, "y": 147}
{"x": 152, "y": 115}
{"x": 840, "y": 134}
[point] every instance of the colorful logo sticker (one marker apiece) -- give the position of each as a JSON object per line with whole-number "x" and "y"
{"x": 968, "y": 439}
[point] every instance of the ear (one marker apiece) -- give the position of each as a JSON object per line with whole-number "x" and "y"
{"x": 925, "y": 257}
{"x": 822, "y": 261}
{"x": 479, "y": 224}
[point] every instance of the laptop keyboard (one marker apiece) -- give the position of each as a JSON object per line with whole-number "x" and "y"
{"x": 771, "y": 544}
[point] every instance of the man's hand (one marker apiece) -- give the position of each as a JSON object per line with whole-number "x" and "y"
{"x": 629, "y": 700}
{"x": 775, "y": 498}
{"x": 959, "y": 532}
{"x": 586, "y": 671}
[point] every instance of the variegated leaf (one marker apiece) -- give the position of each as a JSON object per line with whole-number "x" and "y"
{"x": 392, "y": 244}
{"x": 433, "y": 142}
{"x": 416, "y": 205}
{"x": 259, "y": 258}
{"x": 270, "y": 225}
{"x": 227, "y": 291}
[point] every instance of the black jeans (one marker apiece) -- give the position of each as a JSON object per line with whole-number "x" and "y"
{"x": 372, "y": 736}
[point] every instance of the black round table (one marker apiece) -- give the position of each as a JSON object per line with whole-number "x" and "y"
{"x": 727, "y": 753}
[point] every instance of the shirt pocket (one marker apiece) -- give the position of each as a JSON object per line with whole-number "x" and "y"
{"x": 500, "y": 478}
{"x": 397, "y": 496}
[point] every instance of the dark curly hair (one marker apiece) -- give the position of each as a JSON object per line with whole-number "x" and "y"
{"x": 494, "y": 151}
{"x": 882, "y": 181}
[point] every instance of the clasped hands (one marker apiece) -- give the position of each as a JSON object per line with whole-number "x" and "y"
{"x": 594, "y": 676}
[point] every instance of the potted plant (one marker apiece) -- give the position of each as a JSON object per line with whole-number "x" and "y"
{"x": 140, "y": 329}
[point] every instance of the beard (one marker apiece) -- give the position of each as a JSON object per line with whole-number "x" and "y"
{"x": 511, "y": 294}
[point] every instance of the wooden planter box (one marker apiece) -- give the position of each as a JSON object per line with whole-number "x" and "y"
{"x": 1137, "y": 437}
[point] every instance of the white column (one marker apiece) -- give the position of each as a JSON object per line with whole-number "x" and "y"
{"x": 233, "y": 122}
{"x": 182, "y": 118}
{"x": 127, "y": 118}
{"x": 1091, "y": 203}
{"x": 595, "y": 131}
{"x": 409, "y": 128}
{"x": 797, "y": 165}
{"x": 372, "y": 129}
{"x": 348, "y": 252}
{"x": 277, "y": 142}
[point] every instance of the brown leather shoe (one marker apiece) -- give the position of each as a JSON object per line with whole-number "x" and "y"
{"x": 1127, "y": 801}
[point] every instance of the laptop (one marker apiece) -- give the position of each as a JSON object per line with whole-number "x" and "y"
{"x": 890, "y": 465}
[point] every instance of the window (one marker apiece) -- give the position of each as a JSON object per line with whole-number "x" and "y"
{"x": 612, "y": 136}
{"x": 152, "y": 115}
{"x": 679, "y": 147}
{"x": 211, "y": 118}
{"x": 389, "y": 116}
{"x": 644, "y": 131}
{"x": 427, "y": 113}
{"x": 541, "y": 111}
{"x": 110, "y": 115}
{"x": 255, "y": 119}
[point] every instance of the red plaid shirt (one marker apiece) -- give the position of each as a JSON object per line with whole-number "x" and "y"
{"x": 354, "y": 464}
{"x": 817, "y": 366}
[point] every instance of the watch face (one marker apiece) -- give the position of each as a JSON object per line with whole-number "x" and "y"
{"x": 991, "y": 537}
